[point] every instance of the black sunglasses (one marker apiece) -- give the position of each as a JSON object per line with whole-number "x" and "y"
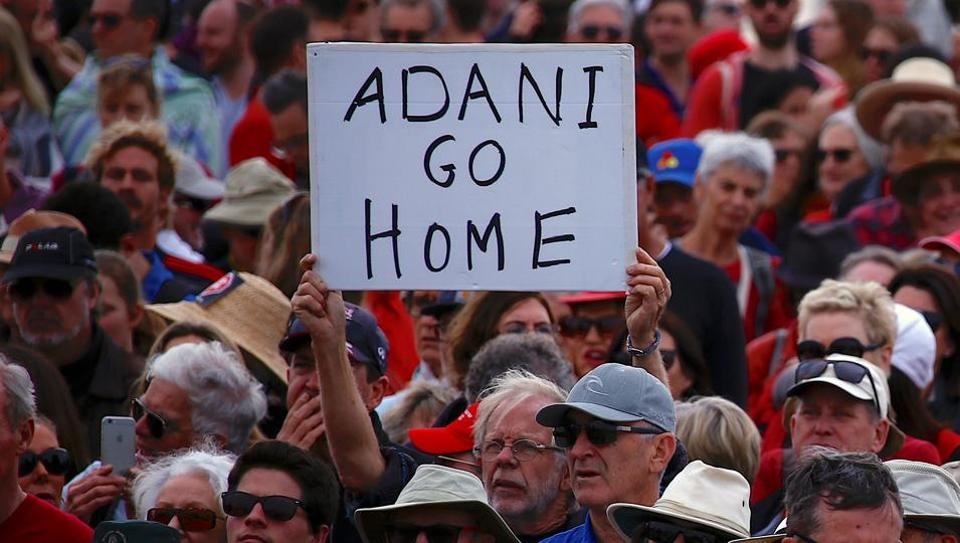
{"x": 592, "y": 32}
{"x": 851, "y": 372}
{"x": 669, "y": 356}
{"x": 760, "y": 4}
{"x": 812, "y": 349}
{"x": 664, "y": 532}
{"x": 55, "y": 460}
{"x": 598, "y": 432}
{"x": 575, "y": 326}
{"x": 278, "y": 508}
{"x": 782, "y": 155}
{"x": 108, "y": 20}
{"x": 409, "y": 36}
{"x": 25, "y": 289}
{"x": 438, "y": 533}
{"x": 195, "y": 204}
{"x": 191, "y": 519}
{"x": 839, "y": 155}
{"x": 155, "y": 423}
{"x": 882, "y": 55}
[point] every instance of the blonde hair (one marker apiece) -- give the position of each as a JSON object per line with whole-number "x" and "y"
{"x": 869, "y": 301}
{"x": 124, "y": 73}
{"x": 422, "y": 398}
{"x": 147, "y": 135}
{"x": 26, "y": 79}
{"x": 286, "y": 238}
{"x": 719, "y": 433}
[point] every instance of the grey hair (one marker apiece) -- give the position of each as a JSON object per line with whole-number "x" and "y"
{"x": 437, "y": 11}
{"x": 843, "y": 481}
{"x": 537, "y": 353}
{"x": 224, "y": 398}
{"x": 871, "y": 150}
{"x": 871, "y": 253}
{"x": 21, "y": 403}
{"x": 214, "y": 466}
{"x": 579, "y": 6}
{"x": 513, "y": 387}
{"x": 738, "y": 149}
{"x": 283, "y": 90}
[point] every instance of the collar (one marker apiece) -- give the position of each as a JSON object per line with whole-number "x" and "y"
{"x": 651, "y": 76}
{"x": 156, "y": 277}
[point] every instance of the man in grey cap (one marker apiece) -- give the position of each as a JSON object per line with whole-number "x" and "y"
{"x": 931, "y": 502}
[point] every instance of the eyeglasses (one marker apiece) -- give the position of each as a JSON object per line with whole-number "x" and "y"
{"x": 191, "y": 519}
{"x": 934, "y": 319}
{"x": 278, "y": 508}
{"x": 195, "y": 204}
{"x": 522, "y": 449}
{"x": 847, "y": 371}
{"x": 840, "y": 156}
{"x": 438, "y": 533}
{"x": 409, "y": 36}
{"x": 811, "y": 349}
{"x": 664, "y": 532}
{"x": 155, "y": 423}
{"x": 108, "y": 20}
{"x": 25, "y": 289}
{"x": 55, "y": 460}
{"x": 669, "y": 356}
{"x": 592, "y": 32}
{"x": 517, "y": 327}
{"x": 575, "y": 326}
{"x": 282, "y": 148}
{"x": 598, "y": 432}
{"x": 140, "y": 175}
{"x": 782, "y": 155}
{"x": 883, "y": 56}
{"x": 760, "y": 4}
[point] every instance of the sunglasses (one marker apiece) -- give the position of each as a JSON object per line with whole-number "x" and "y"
{"x": 194, "y": 204}
{"x": 438, "y": 533}
{"x": 56, "y": 289}
{"x": 934, "y": 319}
{"x": 598, "y": 432}
{"x": 883, "y": 56}
{"x": 839, "y": 156}
{"x": 575, "y": 326}
{"x": 191, "y": 519}
{"x": 847, "y": 371}
{"x": 592, "y": 32}
{"x": 760, "y": 4}
{"x": 523, "y": 450}
{"x": 278, "y": 508}
{"x": 664, "y": 532}
{"x": 812, "y": 349}
{"x": 782, "y": 155}
{"x": 108, "y": 20}
{"x": 55, "y": 460}
{"x": 669, "y": 356}
{"x": 155, "y": 423}
{"x": 409, "y": 36}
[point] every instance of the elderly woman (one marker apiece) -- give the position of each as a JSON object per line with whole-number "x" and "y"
{"x": 183, "y": 490}
{"x": 731, "y": 180}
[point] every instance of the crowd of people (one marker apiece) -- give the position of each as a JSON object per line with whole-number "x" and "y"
{"x": 782, "y": 365}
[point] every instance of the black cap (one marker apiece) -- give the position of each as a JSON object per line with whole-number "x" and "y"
{"x": 366, "y": 342}
{"x": 135, "y": 531}
{"x": 53, "y": 253}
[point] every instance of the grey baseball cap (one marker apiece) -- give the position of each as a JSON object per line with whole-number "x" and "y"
{"x": 616, "y": 393}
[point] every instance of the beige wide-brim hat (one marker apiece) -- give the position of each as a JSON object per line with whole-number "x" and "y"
{"x": 254, "y": 188}
{"x": 929, "y": 494}
{"x": 251, "y": 312}
{"x": 913, "y": 80}
{"x": 775, "y": 537}
{"x": 707, "y": 498}
{"x": 436, "y": 489}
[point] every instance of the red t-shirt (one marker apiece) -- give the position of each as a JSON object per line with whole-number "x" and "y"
{"x": 38, "y": 521}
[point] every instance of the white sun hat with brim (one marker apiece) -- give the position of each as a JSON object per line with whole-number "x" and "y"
{"x": 193, "y": 181}
{"x": 701, "y": 497}
{"x": 929, "y": 495}
{"x": 776, "y": 537}
{"x": 435, "y": 489}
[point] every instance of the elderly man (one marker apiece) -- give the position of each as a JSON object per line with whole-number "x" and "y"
{"x": 135, "y": 27}
{"x": 196, "y": 392}
{"x": 278, "y": 493}
{"x": 931, "y": 502}
{"x": 53, "y": 289}
{"x": 23, "y": 517}
{"x": 411, "y": 21}
{"x": 598, "y": 21}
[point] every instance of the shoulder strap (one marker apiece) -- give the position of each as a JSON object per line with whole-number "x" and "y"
{"x": 762, "y": 269}
{"x": 776, "y": 359}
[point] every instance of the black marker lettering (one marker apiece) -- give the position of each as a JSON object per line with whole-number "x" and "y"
{"x": 449, "y": 168}
{"x": 588, "y": 122}
{"x": 494, "y": 177}
{"x": 394, "y": 233}
{"x": 475, "y": 75}
{"x": 473, "y": 234}
{"x": 539, "y": 240}
{"x": 376, "y": 76}
{"x": 525, "y": 74}
{"x": 428, "y": 243}
{"x": 446, "y": 95}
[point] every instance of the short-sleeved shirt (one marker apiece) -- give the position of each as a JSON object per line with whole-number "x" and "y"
{"x": 36, "y": 521}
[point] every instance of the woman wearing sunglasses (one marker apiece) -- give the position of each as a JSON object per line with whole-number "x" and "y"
{"x": 43, "y": 468}
{"x": 183, "y": 491}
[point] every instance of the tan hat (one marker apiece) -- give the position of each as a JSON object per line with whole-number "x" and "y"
{"x": 944, "y": 156}
{"x": 247, "y": 308}
{"x": 913, "y": 80}
{"x": 929, "y": 494}
{"x": 434, "y": 489}
{"x": 703, "y": 497}
{"x": 34, "y": 220}
{"x": 775, "y": 537}
{"x": 254, "y": 188}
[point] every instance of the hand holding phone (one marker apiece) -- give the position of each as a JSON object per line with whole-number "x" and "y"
{"x": 118, "y": 443}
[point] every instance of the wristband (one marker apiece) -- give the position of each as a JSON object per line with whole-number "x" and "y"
{"x": 645, "y": 351}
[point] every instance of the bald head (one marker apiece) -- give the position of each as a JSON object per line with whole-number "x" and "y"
{"x": 220, "y": 31}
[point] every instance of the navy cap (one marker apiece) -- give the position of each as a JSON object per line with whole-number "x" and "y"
{"x": 135, "y": 531}
{"x": 674, "y": 161}
{"x": 366, "y": 342}
{"x": 446, "y": 302}
{"x": 52, "y": 253}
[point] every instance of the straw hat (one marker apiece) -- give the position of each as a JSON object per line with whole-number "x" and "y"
{"x": 913, "y": 80}
{"x": 247, "y": 308}
{"x": 929, "y": 494}
{"x": 944, "y": 156}
{"x": 710, "y": 499}
{"x": 435, "y": 489}
{"x": 34, "y": 220}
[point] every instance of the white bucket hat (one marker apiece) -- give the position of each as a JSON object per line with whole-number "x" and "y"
{"x": 915, "y": 350}
{"x": 775, "y": 537}
{"x": 701, "y": 496}
{"x": 928, "y": 493}
{"x": 434, "y": 489}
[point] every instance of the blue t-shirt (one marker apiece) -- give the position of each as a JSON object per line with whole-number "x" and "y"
{"x": 581, "y": 534}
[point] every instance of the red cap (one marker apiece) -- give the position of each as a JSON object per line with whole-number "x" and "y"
{"x": 714, "y": 48}
{"x": 456, "y": 437}
{"x": 586, "y": 297}
{"x": 949, "y": 243}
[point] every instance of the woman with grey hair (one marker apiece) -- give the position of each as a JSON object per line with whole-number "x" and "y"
{"x": 183, "y": 491}
{"x": 849, "y": 165}
{"x": 731, "y": 180}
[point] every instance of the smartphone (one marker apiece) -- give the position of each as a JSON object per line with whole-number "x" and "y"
{"x": 118, "y": 443}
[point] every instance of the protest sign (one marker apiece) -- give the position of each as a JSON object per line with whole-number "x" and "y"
{"x": 464, "y": 167}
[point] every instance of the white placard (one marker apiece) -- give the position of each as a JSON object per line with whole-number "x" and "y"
{"x": 465, "y": 167}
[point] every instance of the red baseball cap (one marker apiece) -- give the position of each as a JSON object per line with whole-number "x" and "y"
{"x": 586, "y": 297}
{"x": 949, "y": 243}
{"x": 456, "y": 437}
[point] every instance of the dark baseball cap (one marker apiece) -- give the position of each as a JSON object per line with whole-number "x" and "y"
{"x": 61, "y": 252}
{"x": 366, "y": 342}
{"x": 135, "y": 531}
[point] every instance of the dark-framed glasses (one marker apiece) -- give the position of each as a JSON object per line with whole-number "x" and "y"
{"x": 278, "y": 508}
{"x": 522, "y": 449}
{"x": 599, "y": 432}
{"x": 664, "y": 532}
{"x": 809, "y": 349}
{"x": 592, "y": 32}
{"x": 191, "y": 519}
{"x": 577, "y": 326}
{"x": 840, "y": 156}
{"x": 55, "y": 460}
{"x": 156, "y": 424}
